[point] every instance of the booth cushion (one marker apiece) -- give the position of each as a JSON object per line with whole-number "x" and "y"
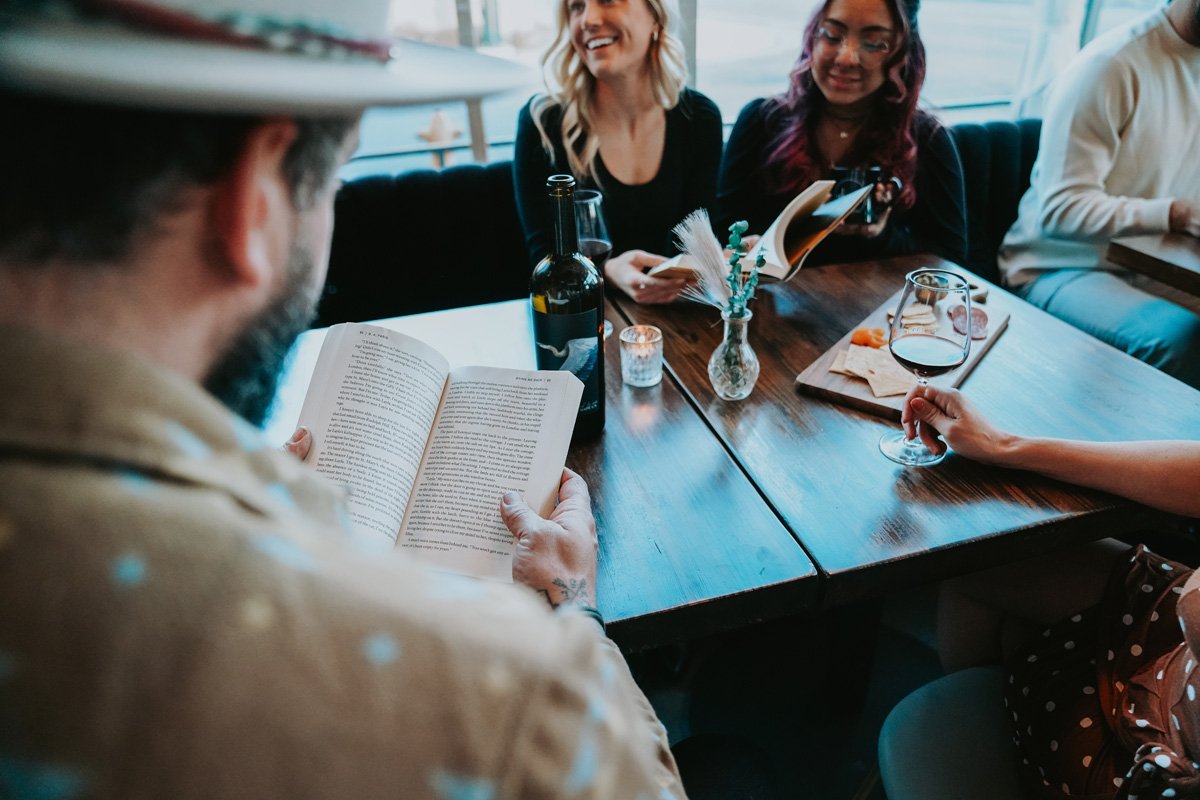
{"x": 997, "y": 158}
{"x": 424, "y": 240}
{"x": 950, "y": 740}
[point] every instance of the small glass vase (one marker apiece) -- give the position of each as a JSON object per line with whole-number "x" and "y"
{"x": 733, "y": 367}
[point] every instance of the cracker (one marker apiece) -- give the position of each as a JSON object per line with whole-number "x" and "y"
{"x": 914, "y": 310}
{"x": 859, "y": 360}
{"x": 839, "y": 365}
{"x": 882, "y": 361}
{"x": 877, "y": 366}
{"x": 886, "y": 377}
{"x": 889, "y": 384}
{"x": 930, "y": 329}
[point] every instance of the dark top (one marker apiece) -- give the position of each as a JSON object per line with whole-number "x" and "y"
{"x": 937, "y": 223}
{"x": 639, "y": 217}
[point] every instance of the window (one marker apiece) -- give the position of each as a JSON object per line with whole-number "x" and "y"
{"x": 518, "y": 30}
{"x": 746, "y": 48}
{"x": 977, "y": 56}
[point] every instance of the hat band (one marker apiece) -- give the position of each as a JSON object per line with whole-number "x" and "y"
{"x": 256, "y": 31}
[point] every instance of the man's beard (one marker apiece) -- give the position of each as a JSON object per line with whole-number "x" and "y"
{"x": 246, "y": 377}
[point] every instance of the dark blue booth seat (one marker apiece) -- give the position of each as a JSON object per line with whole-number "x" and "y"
{"x": 431, "y": 239}
{"x": 997, "y": 158}
{"x": 424, "y": 240}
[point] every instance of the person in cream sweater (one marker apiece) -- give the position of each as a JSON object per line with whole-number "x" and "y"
{"x": 1117, "y": 157}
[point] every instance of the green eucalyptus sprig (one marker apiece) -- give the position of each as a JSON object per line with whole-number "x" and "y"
{"x": 741, "y": 285}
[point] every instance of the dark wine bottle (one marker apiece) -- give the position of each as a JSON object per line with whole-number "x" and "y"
{"x": 567, "y": 293}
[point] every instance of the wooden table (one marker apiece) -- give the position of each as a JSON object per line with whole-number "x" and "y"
{"x": 870, "y": 525}
{"x": 1171, "y": 258}
{"x": 687, "y": 546}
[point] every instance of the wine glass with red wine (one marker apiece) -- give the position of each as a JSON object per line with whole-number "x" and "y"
{"x": 594, "y": 241}
{"x": 929, "y": 336}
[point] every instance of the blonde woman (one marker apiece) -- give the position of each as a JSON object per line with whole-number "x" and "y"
{"x": 618, "y": 117}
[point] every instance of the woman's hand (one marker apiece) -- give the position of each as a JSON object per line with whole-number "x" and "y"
{"x": 930, "y": 411}
{"x": 885, "y": 193}
{"x": 627, "y": 273}
{"x": 749, "y": 243}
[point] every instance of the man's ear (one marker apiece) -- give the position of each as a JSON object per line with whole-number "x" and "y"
{"x": 252, "y": 207}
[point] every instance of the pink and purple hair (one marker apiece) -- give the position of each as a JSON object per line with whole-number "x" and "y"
{"x": 888, "y": 140}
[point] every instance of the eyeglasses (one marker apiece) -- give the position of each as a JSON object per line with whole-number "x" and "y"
{"x": 872, "y": 47}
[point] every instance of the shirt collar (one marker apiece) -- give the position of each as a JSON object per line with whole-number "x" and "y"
{"x": 64, "y": 399}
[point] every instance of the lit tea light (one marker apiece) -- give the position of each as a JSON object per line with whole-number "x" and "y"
{"x": 641, "y": 355}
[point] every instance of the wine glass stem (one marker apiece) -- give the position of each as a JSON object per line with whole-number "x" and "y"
{"x": 916, "y": 439}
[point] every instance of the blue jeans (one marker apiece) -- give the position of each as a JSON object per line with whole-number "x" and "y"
{"x": 1109, "y": 307}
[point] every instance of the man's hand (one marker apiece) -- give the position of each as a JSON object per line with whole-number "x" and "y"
{"x": 929, "y": 411}
{"x": 299, "y": 444}
{"x": 626, "y": 272}
{"x": 555, "y": 556}
{"x": 1185, "y": 218}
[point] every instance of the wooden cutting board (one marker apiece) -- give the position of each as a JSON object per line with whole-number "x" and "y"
{"x": 818, "y": 381}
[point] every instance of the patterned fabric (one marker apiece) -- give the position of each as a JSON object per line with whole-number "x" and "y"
{"x": 184, "y": 613}
{"x": 1104, "y": 704}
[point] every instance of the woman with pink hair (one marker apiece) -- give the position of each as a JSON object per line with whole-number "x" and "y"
{"x": 852, "y": 105}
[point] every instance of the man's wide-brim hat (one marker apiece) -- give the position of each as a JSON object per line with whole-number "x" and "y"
{"x": 310, "y": 57}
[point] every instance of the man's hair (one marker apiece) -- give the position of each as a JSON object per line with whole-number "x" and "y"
{"x": 81, "y": 182}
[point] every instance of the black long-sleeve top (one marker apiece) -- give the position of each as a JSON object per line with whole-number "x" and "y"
{"x": 639, "y": 217}
{"x": 935, "y": 224}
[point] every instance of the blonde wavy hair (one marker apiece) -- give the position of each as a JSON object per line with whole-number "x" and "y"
{"x": 572, "y": 87}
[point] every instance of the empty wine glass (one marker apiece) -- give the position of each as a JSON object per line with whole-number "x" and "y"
{"x": 594, "y": 241}
{"x": 930, "y": 335}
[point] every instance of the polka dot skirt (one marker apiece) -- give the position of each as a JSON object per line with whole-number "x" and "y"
{"x": 1101, "y": 703}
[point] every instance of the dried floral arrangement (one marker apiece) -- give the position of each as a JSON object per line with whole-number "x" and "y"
{"x": 720, "y": 281}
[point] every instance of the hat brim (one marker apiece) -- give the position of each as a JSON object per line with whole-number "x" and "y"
{"x": 116, "y": 66}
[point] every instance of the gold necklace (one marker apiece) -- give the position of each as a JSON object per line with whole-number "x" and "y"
{"x": 853, "y": 127}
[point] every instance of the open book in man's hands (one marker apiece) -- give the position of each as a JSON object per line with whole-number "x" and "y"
{"x": 427, "y": 452}
{"x": 794, "y": 234}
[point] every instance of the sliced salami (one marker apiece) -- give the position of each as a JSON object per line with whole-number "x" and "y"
{"x": 979, "y": 321}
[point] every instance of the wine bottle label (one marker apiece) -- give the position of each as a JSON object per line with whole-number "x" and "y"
{"x": 573, "y": 342}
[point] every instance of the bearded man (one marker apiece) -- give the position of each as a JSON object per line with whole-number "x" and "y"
{"x": 183, "y": 612}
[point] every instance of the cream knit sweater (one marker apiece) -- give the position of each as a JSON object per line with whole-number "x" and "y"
{"x": 1120, "y": 141}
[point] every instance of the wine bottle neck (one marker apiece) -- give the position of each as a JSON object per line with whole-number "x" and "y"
{"x": 566, "y": 238}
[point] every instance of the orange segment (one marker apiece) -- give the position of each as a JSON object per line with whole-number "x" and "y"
{"x": 868, "y": 337}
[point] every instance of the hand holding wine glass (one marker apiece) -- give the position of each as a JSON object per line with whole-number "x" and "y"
{"x": 628, "y": 270}
{"x": 924, "y": 340}
{"x": 945, "y": 417}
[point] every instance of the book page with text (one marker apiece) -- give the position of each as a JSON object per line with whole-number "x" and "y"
{"x": 370, "y": 406}
{"x": 498, "y": 430}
